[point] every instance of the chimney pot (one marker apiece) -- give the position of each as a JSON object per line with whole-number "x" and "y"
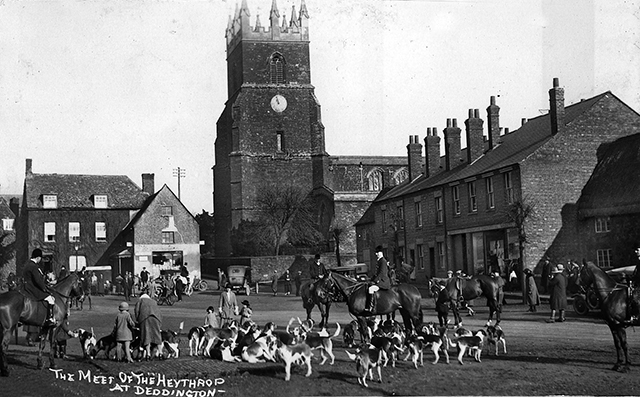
{"x": 28, "y": 169}
{"x": 556, "y": 82}
{"x": 448, "y": 122}
{"x": 428, "y": 131}
{"x": 454, "y": 123}
{"x": 506, "y": 130}
{"x": 492, "y": 100}
{"x": 434, "y": 130}
{"x": 470, "y": 113}
{"x": 148, "y": 181}
{"x": 476, "y": 113}
{"x": 524, "y": 121}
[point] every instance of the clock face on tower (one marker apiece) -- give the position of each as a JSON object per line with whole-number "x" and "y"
{"x": 278, "y": 103}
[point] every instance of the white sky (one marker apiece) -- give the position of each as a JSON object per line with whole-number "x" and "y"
{"x": 136, "y": 86}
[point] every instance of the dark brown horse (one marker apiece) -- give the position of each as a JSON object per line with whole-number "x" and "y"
{"x": 465, "y": 289}
{"x": 321, "y": 297}
{"x": 618, "y": 308}
{"x": 402, "y": 297}
{"x": 15, "y": 307}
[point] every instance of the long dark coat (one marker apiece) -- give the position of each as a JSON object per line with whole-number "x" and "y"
{"x": 381, "y": 276}
{"x": 533, "y": 297}
{"x": 558, "y": 287}
{"x": 149, "y": 319}
{"x": 34, "y": 283}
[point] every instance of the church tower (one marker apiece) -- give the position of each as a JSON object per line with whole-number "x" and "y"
{"x": 270, "y": 131}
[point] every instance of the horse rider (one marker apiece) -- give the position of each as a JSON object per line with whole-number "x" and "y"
{"x": 317, "y": 270}
{"x": 379, "y": 281}
{"x": 35, "y": 286}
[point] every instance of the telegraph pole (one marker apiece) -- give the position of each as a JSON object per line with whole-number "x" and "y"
{"x": 179, "y": 173}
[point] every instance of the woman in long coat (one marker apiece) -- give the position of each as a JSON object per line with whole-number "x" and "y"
{"x": 558, "y": 299}
{"x": 149, "y": 319}
{"x": 227, "y": 305}
{"x": 533, "y": 297}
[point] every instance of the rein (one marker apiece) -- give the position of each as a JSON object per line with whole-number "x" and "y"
{"x": 617, "y": 287}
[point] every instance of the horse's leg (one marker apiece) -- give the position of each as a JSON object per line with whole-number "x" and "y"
{"x": 323, "y": 315}
{"x": 52, "y": 350}
{"x": 456, "y": 314}
{"x": 42, "y": 341}
{"x": 615, "y": 332}
{"x": 4, "y": 345}
{"x": 362, "y": 325}
{"x": 325, "y": 320}
{"x": 623, "y": 343}
{"x": 408, "y": 320}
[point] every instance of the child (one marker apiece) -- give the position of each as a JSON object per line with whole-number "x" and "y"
{"x": 62, "y": 334}
{"x": 245, "y": 312}
{"x": 442, "y": 308}
{"x": 211, "y": 320}
{"x": 122, "y": 331}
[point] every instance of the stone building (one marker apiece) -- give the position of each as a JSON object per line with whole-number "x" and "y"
{"x": 608, "y": 210}
{"x": 74, "y": 218}
{"x": 271, "y": 133}
{"x": 458, "y": 214}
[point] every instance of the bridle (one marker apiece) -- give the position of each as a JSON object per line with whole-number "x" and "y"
{"x": 604, "y": 290}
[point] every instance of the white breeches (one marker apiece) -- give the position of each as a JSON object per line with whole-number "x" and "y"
{"x": 50, "y": 299}
{"x": 373, "y": 289}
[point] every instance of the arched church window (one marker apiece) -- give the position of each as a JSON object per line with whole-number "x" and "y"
{"x": 400, "y": 175}
{"x": 375, "y": 180}
{"x": 276, "y": 69}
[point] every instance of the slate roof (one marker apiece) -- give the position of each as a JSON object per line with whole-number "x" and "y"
{"x": 513, "y": 148}
{"x": 614, "y": 185}
{"x": 5, "y": 210}
{"x": 77, "y": 191}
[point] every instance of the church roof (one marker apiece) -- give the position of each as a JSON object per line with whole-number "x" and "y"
{"x": 512, "y": 149}
{"x": 614, "y": 185}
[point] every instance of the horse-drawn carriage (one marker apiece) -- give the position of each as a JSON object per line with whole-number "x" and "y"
{"x": 587, "y": 299}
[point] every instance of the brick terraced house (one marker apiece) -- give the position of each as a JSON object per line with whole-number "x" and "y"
{"x": 74, "y": 218}
{"x": 271, "y": 133}
{"x": 609, "y": 207}
{"x": 454, "y": 213}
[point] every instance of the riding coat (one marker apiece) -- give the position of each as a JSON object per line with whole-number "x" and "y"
{"x": 316, "y": 270}
{"x": 381, "y": 277}
{"x": 34, "y": 283}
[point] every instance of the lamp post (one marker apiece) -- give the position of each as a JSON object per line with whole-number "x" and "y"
{"x": 76, "y": 248}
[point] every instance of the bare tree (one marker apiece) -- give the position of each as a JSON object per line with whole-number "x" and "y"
{"x": 520, "y": 212}
{"x": 337, "y": 232}
{"x": 287, "y": 216}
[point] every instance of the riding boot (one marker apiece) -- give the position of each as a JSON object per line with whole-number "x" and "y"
{"x": 50, "y": 321}
{"x": 372, "y": 303}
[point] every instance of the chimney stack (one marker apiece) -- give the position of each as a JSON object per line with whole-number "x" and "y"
{"x": 148, "y": 181}
{"x": 14, "y": 205}
{"x": 452, "y": 149}
{"x": 475, "y": 137}
{"x": 414, "y": 151}
{"x": 556, "y": 107}
{"x": 28, "y": 170}
{"x": 493, "y": 121}
{"x": 432, "y": 153}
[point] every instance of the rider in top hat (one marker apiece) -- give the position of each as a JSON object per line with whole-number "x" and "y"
{"x": 380, "y": 279}
{"x": 317, "y": 269}
{"x": 35, "y": 285}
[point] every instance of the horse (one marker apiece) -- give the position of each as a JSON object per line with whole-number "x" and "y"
{"x": 16, "y": 308}
{"x": 312, "y": 296}
{"x": 402, "y": 297}
{"x": 619, "y": 308}
{"x": 465, "y": 289}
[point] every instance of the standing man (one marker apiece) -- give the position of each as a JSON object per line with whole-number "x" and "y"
{"x": 298, "y": 280}
{"x": 287, "y": 282}
{"x": 144, "y": 279}
{"x": 35, "y": 285}
{"x": 544, "y": 277}
{"x": 63, "y": 273}
{"x": 379, "y": 281}
{"x": 558, "y": 299}
{"x": 274, "y": 283}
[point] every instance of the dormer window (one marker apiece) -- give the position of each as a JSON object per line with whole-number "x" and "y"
{"x": 100, "y": 201}
{"x": 7, "y": 224}
{"x": 49, "y": 201}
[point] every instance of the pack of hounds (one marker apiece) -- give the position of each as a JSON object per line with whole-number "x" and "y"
{"x": 380, "y": 343}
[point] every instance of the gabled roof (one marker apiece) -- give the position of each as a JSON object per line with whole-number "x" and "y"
{"x": 5, "y": 210}
{"x": 513, "y": 148}
{"x": 148, "y": 202}
{"x": 77, "y": 191}
{"x": 614, "y": 185}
